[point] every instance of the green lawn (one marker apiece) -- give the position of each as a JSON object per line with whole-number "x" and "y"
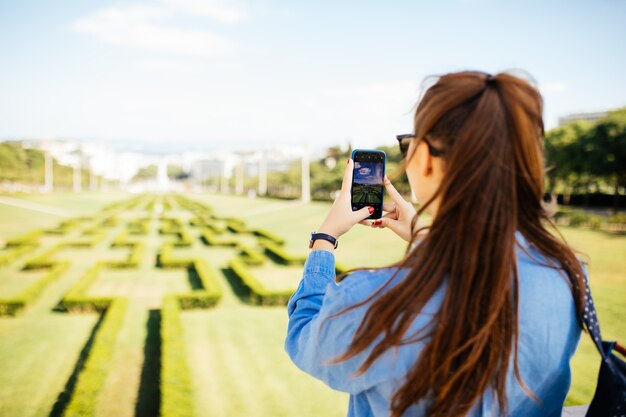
{"x": 235, "y": 350}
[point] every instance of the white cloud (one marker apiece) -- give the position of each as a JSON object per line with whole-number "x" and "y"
{"x": 164, "y": 65}
{"x": 222, "y": 11}
{"x": 145, "y": 26}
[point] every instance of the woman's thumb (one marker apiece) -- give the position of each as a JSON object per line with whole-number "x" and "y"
{"x": 364, "y": 213}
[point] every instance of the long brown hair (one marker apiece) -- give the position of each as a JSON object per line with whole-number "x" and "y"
{"x": 491, "y": 131}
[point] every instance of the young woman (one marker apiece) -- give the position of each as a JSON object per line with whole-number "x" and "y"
{"x": 483, "y": 314}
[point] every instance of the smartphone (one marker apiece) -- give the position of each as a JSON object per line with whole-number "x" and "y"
{"x": 367, "y": 180}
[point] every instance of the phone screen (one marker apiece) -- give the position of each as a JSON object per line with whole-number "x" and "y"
{"x": 367, "y": 181}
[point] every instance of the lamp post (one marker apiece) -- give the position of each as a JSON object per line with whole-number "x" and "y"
{"x": 263, "y": 174}
{"x": 49, "y": 173}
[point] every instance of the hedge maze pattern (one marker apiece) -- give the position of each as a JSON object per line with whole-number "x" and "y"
{"x": 125, "y": 225}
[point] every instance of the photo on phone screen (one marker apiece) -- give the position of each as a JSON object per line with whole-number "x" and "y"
{"x": 367, "y": 181}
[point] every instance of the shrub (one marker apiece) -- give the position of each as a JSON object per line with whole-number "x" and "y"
{"x": 594, "y": 221}
{"x": 269, "y": 235}
{"x": 211, "y": 292}
{"x": 10, "y": 307}
{"x": 76, "y": 299}
{"x": 134, "y": 258}
{"x": 184, "y": 238}
{"x": 44, "y": 260}
{"x": 167, "y": 261}
{"x": 236, "y": 226}
{"x": 12, "y": 253}
{"x": 27, "y": 239}
{"x": 280, "y": 253}
{"x": 618, "y": 219}
{"x": 250, "y": 256}
{"x": 210, "y": 239}
{"x": 138, "y": 226}
{"x": 577, "y": 219}
{"x": 176, "y": 384}
{"x": 340, "y": 268}
{"x": 92, "y": 377}
{"x": 65, "y": 226}
{"x": 258, "y": 294}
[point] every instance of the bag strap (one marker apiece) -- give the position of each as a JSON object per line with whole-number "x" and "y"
{"x": 590, "y": 318}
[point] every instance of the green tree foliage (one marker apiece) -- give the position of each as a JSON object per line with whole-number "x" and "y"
{"x": 27, "y": 166}
{"x": 146, "y": 173}
{"x": 21, "y": 164}
{"x": 176, "y": 172}
{"x": 581, "y": 154}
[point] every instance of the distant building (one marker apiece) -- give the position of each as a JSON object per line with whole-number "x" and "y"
{"x": 577, "y": 117}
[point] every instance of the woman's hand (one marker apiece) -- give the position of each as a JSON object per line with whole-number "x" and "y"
{"x": 399, "y": 215}
{"x": 341, "y": 218}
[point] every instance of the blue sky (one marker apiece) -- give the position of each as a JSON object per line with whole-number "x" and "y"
{"x": 209, "y": 74}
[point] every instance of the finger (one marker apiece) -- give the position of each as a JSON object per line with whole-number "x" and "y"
{"x": 363, "y": 213}
{"x": 386, "y": 222}
{"x": 365, "y": 222}
{"x": 389, "y": 206}
{"x": 393, "y": 215}
{"x": 391, "y": 190}
{"x": 347, "y": 177}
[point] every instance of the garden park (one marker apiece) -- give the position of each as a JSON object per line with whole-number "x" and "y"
{"x": 174, "y": 305}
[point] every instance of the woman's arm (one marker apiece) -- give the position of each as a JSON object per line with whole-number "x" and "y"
{"x": 314, "y": 338}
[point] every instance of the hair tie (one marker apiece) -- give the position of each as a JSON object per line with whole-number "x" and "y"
{"x": 490, "y": 79}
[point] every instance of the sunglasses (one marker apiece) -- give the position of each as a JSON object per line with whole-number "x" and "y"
{"x": 405, "y": 140}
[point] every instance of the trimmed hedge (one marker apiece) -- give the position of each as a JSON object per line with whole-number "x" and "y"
{"x": 45, "y": 260}
{"x": 166, "y": 260}
{"x": 216, "y": 227}
{"x": 138, "y": 226}
{"x": 176, "y": 383}
{"x": 92, "y": 377}
{"x": 12, "y": 253}
{"x": 236, "y": 226}
{"x": 27, "y": 239}
{"x": 134, "y": 257}
{"x": 65, "y": 226}
{"x": 76, "y": 299}
{"x": 578, "y": 218}
{"x": 184, "y": 238}
{"x": 211, "y": 291}
{"x": 250, "y": 255}
{"x": 268, "y": 235}
{"x": 212, "y": 240}
{"x": 340, "y": 268}
{"x": 258, "y": 293}
{"x": 281, "y": 254}
{"x": 11, "y": 306}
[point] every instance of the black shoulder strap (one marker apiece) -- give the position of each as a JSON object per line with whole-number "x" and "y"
{"x": 590, "y": 318}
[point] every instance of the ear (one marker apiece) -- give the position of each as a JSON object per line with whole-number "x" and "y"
{"x": 437, "y": 166}
{"x": 424, "y": 159}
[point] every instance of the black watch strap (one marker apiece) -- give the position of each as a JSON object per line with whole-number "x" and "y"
{"x": 325, "y": 236}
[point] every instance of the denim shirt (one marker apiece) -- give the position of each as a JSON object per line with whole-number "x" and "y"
{"x": 548, "y": 337}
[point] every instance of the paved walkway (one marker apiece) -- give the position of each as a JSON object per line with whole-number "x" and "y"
{"x": 42, "y": 208}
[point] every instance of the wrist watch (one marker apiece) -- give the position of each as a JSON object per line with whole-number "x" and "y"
{"x": 324, "y": 236}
